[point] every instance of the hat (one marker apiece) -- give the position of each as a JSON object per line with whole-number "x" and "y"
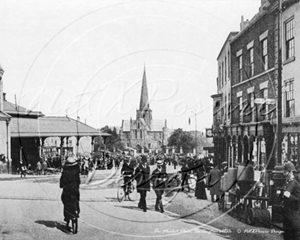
{"x": 71, "y": 161}
{"x": 144, "y": 158}
{"x": 289, "y": 167}
{"x": 159, "y": 162}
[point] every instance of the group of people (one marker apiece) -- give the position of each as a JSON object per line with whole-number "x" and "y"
{"x": 133, "y": 169}
{"x": 141, "y": 174}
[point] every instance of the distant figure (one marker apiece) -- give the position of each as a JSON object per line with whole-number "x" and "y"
{"x": 23, "y": 168}
{"x": 200, "y": 192}
{"x": 69, "y": 182}
{"x": 185, "y": 175}
{"x": 45, "y": 167}
{"x": 39, "y": 168}
{"x": 214, "y": 183}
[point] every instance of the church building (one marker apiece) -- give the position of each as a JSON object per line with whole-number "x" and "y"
{"x": 145, "y": 134}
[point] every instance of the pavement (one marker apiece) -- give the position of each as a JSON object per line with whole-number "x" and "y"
{"x": 31, "y": 209}
{"x": 106, "y": 180}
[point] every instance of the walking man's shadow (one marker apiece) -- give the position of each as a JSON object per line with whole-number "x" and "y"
{"x": 55, "y": 224}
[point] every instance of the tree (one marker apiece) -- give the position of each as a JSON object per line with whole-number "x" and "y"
{"x": 112, "y": 142}
{"x": 184, "y": 139}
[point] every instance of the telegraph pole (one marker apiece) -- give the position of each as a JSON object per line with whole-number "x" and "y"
{"x": 195, "y": 132}
{"x": 279, "y": 88}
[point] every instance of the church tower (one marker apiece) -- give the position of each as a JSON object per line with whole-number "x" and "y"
{"x": 144, "y": 111}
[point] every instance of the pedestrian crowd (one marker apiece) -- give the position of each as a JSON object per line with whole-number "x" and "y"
{"x": 205, "y": 175}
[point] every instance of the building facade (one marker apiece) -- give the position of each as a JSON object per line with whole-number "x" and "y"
{"x": 249, "y": 136}
{"x": 264, "y": 53}
{"x": 290, "y": 81}
{"x": 222, "y": 100}
{"x": 145, "y": 134}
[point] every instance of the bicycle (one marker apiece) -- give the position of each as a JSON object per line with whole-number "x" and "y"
{"x": 174, "y": 183}
{"x": 125, "y": 190}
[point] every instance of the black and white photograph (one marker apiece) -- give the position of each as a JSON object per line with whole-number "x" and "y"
{"x": 150, "y": 119}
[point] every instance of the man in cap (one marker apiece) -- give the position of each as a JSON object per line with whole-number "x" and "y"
{"x": 141, "y": 175}
{"x": 159, "y": 177}
{"x": 291, "y": 202}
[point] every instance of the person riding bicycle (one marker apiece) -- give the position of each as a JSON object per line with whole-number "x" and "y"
{"x": 127, "y": 173}
{"x": 69, "y": 182}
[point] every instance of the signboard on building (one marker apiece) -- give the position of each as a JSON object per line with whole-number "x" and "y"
{"x": 209, "y": 133}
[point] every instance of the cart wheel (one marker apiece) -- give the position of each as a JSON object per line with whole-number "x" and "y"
{"x": 120, "y": 193}
{"x": 74, "y": 225}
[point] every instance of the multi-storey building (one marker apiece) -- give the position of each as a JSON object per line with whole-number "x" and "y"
{"x": 222, "y": 100}
{"x": 290, "y": 46}
{"x": 250, "y": 137}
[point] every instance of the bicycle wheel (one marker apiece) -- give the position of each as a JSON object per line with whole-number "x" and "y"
{"x": 132, "y": 195}
{"x": 172, "y": 185}
{"x": 192, "y": 183}
{"x": 74, "y": 225}
{"x": 120, "y": 193}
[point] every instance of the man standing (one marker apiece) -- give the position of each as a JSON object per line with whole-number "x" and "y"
{"x": 158, "y": 178}
{"x": 185, "y": 175}
{"x": 141, "y": 175}
{"x": 214, "y": 183}
{"x": 291, "y": 203}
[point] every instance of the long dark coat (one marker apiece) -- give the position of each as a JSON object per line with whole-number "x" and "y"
{"x": 291, "y": 217}
{"x": 157, "y": 178}
{"x": 214, "y": 181}
{"x": 69, "y": 182}
{"x": 142, "y": 177}
{"x": 200, "y": 192}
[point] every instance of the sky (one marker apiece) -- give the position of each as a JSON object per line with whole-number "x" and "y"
{"x": 86, "y": 58}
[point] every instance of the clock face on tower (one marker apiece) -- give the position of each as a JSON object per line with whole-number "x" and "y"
{"x": 209, "y": 133}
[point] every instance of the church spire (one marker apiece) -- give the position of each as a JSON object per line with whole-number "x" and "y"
{"x": 144, "y": 101}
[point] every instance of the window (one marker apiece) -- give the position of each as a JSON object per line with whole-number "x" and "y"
{"x": 265, "y": 96}
{"x": 252, "y": 110}
{"x": 240, "y": 63}
{"x": 225, "y": 74}
{"x": 229, "y": 107}
{"x": 220, "y": 77}
{"x": 241, "y": 108}
{"x": 228, "y": 65}
{"x": 222, "y": 74}
{"x": 289, "y": 39}
{"x": 289, "y": 99}
{"x": 251, "y": 62}
{"x": 141, "y": 134}
{"x": 264, "y": 54}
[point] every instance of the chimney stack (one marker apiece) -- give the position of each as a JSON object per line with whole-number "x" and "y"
{"x": 243, "y": 23}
